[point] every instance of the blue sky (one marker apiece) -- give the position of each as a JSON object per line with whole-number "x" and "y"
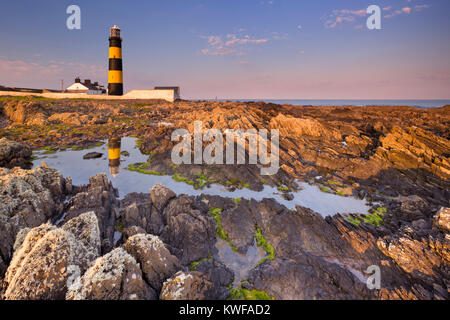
{"x": 305, "y": 49}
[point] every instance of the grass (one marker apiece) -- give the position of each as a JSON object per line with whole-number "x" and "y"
{"x": 246, "y": 294}
{"x": 141, "y": 168}
{"x": 267, "y": 247}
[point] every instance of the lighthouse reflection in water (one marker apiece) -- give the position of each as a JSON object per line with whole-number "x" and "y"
{"x": 114, "y": 155}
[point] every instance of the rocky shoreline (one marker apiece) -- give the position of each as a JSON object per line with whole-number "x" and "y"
{"x": 60, "y": 241}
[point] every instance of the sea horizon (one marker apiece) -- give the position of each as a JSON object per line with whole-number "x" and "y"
{"x": 416, "y": 103}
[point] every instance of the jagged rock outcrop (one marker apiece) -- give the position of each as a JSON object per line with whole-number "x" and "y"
{"x": 26, "y": 112}
{"x": 442, "y": 219}
{"x": 156, "y": 262}
{"x": 143, "y": 215}
{"x": 160, "y": 196}
{"x": 115, "y": 276}
{"x": 187, "y": 286}
{"x": 220, "y": 276}
{"x": 28, "y": 198}
{"x": 49, "y": 259}
{"x": 188, "y": 229}
{"x": 14, "y": 154}
{"x": 100, "y": 197}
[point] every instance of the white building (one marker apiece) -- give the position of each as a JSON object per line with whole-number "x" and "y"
{"x": 86, "y": 87}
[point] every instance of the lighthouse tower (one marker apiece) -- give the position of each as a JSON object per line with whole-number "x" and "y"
{"x": 115, "y": 75}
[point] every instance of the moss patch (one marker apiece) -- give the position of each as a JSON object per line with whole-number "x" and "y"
{"x": 220, "y": 232}
{"x": 325, "y": 189}
{"x": 193, "y": 266}
{"x": 283, "y": 188}
{"x": 267, "y": 247}
{"x": 245, "y": 294}
{"x": 354, "y": 221}
{"x": 236, "y": 183}
{"x": 142, "y": 168}
{"x": 375, "y": 218}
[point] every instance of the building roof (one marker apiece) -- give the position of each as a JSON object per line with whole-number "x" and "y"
{"x": 176, "y": 89}
{"x": 86, "y": 85}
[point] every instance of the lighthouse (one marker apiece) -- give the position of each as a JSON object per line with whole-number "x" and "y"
{"x": 115, "y": 75}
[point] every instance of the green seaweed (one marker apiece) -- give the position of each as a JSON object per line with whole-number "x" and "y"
{"x": 215, "y": 212}
{"x": 267, "y": 247}
{"x": 141, "y": 168}
{"x": 245, "y": 294}
{"x": 220, "y": 232}
{"x": 325, "y": 189}
{"x": 354, "y": 221}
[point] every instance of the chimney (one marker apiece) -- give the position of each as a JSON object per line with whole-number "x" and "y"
{"x": 77, "y": 80}
{"x": 87, "y": 81}
{"x": 96, "y": 84}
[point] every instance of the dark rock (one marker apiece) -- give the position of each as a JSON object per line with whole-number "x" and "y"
{"x": 92, "y": 155}
{"x": 306, "y": 277}
{"x": 220, "y": 276}
{"x": 188, "y": 229}
{"x": 100, "y": 197}
{"x": 160, "y": 195}
{"x": 143, "y": 215}
{"x": 14, "y": 154}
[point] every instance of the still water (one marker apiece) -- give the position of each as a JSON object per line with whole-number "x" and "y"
{"x": 70, "y": 163}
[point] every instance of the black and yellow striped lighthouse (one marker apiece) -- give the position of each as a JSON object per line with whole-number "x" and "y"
{"x": 115, "y": 73}
{"x": 114, "y": 145}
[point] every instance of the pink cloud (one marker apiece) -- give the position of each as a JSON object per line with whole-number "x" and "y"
{"x": 220, "y": 47}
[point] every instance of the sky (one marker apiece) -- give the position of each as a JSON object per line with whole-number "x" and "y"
{"x": 236, "y": 49}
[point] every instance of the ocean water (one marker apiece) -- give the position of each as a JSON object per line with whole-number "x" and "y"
{"x": 427, "y": 104}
